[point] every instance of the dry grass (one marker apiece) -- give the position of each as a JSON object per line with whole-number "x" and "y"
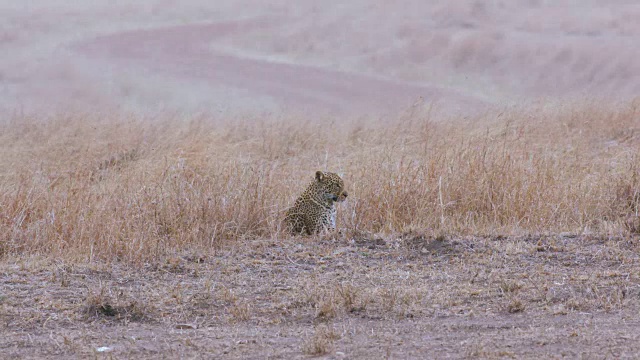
{"x": 101, "y": 304}
{"x": 133, "y": 189}
{"x": 321, "y": 342}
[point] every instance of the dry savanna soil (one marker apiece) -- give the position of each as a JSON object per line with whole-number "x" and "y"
{"x": 362, "y": 296}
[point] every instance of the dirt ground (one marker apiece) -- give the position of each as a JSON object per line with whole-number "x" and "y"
{"x": 397, "y": 298}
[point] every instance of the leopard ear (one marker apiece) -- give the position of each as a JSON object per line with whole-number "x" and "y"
{"x": 319, "y": 175}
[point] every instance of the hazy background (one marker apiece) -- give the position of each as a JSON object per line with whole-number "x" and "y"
{"x": 349, "y": 57}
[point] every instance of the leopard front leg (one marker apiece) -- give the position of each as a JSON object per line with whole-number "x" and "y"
{"x": 328, "y": 221}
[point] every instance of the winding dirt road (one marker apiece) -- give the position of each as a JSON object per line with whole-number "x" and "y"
{"x": 356, "y": 57}
{"x": 188, "y": 51}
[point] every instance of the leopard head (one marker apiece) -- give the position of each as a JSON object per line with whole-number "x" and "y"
{"x": 330, "y": 187}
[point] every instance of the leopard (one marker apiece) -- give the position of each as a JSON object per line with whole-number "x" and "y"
{"x": 314, "y": 212}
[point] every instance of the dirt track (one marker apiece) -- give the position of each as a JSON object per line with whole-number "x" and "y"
{"x": 186, "y": 52}
{"x": 355, "y": 58}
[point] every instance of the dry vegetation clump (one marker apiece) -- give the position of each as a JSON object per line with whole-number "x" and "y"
{"x": 321, "y": 342}
{"x": 130, "y": 189}
{"x": 103, "y": 305}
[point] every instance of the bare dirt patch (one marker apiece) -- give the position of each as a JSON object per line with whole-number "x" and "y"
{"x": 393, "y": 297}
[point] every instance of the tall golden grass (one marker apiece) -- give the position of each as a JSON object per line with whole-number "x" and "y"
{"x": 127, "y": 188}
